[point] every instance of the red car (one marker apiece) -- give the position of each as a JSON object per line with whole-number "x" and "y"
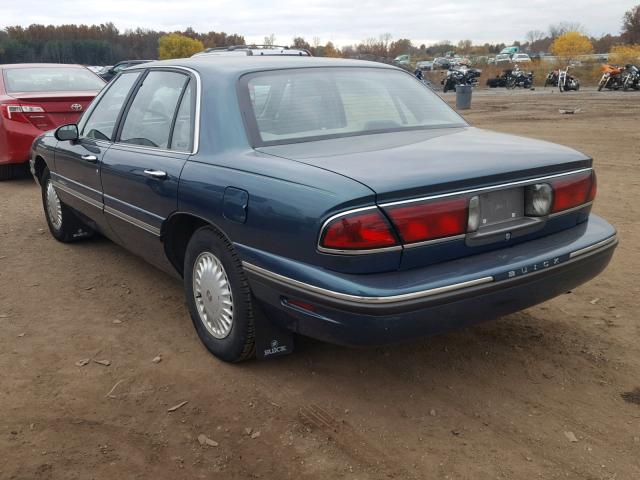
{"x": 35, "y": 97}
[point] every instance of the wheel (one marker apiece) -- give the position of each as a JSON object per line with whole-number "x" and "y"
{"x": 63, "y": 223}
{"x": 561, "y": 88}
{"x": 218, "y": 296}
{"x": 510, "y": 83}
{"x": 601, "y": 85}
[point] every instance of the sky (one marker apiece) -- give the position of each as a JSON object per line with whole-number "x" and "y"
{"x": 342, "y": 22}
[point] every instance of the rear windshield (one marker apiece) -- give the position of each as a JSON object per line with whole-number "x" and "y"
{"x": 50, "y": 79}
{"x": 306, "y": 104}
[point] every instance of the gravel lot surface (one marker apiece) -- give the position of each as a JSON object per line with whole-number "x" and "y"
{"x": 551, "y": 392}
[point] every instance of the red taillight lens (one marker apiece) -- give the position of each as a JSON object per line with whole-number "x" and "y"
{"x": 358, "y": 231}
{"x": 573, "y": 191}
{"x": 430, "y": 220}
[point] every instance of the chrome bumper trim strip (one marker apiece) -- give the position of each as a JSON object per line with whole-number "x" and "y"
{"x": 595, "y": 246}
{"x": 357, "y": 298}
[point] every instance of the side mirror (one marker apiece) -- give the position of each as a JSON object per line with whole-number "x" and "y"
{"x": 67, "y": 132}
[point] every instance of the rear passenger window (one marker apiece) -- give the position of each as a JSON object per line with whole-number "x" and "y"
{"x": 182, "y": 139}
{"x": 150, "y": 116}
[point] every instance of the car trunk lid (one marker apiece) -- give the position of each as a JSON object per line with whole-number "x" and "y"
{"x": 404, "y": 165}
{"x": 59, "y": 108}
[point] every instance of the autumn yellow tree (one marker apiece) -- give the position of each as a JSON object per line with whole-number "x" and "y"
{"x": 571, "y": 44}
{"x": 175, "y": 45}
{"x": 331, "y": 51}
{"x": 623, "y": 54}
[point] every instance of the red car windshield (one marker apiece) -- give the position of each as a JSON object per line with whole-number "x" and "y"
{"x": 50, "y": 79}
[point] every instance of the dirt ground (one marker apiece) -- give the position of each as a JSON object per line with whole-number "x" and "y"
{"x": 551, "y": 392}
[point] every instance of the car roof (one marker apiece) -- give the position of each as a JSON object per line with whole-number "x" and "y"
{"x": 7, "y": 66}
{"x": 239, "y": 65}
{"x": 134, "y": 61}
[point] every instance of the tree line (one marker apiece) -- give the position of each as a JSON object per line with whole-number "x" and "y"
{"x": 100, "y": 44}
{"x": 104, "y": 44}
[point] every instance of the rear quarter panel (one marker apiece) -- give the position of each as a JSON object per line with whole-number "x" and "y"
{"x": 288, "y": 202}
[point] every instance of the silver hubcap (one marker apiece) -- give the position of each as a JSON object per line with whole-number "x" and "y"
{"x": 54, "y": 208}
{"x": 212, "y": 293}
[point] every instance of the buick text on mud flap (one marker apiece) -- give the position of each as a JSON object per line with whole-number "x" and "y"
{"x": 275, "y": 348}
{"x": 532, "y": 268}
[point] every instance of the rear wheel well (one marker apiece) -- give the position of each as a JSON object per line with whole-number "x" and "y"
{"x": 177, "y": 233}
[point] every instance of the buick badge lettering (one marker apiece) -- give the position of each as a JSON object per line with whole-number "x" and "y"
{"x": 532, "y": 268}
{"x": 76, "y": 107}
{"x": 275, "y": 348}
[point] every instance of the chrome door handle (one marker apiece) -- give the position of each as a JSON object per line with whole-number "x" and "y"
{"x": 156, "y": 173}
{"x": 90, "y": 158}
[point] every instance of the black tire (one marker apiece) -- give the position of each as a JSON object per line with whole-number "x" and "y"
{"x": 69, "y": 228}
{"x": 239, "y": 344}
{"x": 8, "y": 172}
{"x": 601, "y": 85}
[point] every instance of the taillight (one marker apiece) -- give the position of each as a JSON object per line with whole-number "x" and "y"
{"x": 573, "y": 191}
{"x": 419, "y": 222}
{"x": 362, "y": 230}
{"x": 16, "y": 112}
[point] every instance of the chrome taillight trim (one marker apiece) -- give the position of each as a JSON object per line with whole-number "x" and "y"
{"x": 486, "y": 189}
{"x": 436, "y": 197}
{"x": 393, "y": 248}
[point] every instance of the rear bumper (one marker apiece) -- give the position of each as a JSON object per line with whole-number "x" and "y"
{"x": 393, "y": 307}
{"x": 18, "y": 138}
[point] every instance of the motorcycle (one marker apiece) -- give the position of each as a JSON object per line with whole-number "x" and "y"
{"x": 567, "y": 82}
{"x": 611, "y": 77}
{"x": 631, "y": 78}
{"x": 552, "y": 79}
{"x": 518, "y": 78}
{"x": 460, "y": 76}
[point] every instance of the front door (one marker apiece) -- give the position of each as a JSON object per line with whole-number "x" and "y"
{"x": 141, "y": 170}
{"x": 77, "y": 163}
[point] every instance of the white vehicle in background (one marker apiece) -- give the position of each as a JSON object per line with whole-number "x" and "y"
{"x": 503, "y": 58}
{"x": 255, "y": 50}
{"x": 521, "y": 58}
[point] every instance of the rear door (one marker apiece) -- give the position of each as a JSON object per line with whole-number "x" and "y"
{"x": 77, "y": 163}
{"x": 140, "y": 172}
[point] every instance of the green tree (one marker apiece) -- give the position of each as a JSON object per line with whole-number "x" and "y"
{"x": 175, "y": 45}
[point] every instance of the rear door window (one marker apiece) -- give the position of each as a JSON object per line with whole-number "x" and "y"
{"x": 102, "y": 119}
{"x": 182, "y": 137}
{"x": 150, "y": 117}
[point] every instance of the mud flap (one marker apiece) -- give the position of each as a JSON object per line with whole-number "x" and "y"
{"x": 271, "y": 339}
